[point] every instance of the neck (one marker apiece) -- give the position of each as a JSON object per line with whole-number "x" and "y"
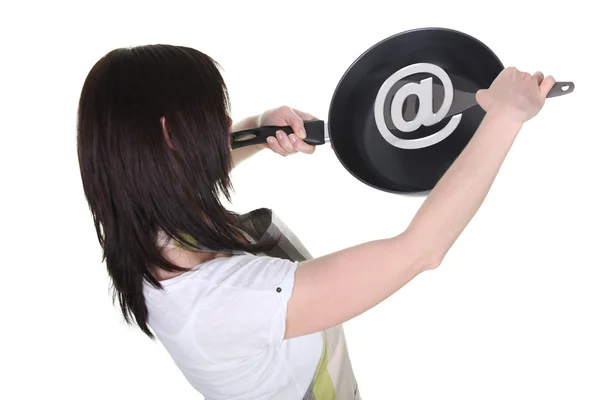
{"x": 184, "y": 259}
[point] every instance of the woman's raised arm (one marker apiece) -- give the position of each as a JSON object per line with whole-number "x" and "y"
{"x": 335, "y": 288}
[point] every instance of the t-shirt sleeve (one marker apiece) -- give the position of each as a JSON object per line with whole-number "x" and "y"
{"x": 246, "y": 309}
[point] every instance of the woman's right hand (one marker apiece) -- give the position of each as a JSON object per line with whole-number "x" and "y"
{"x": 516, "y": 94}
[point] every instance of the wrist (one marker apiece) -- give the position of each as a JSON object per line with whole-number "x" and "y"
{"x": 507, "y": 119}
{"x": 246, "y": 123}
{"x": 254, "y": 122}
{"x": 507, "y": 115}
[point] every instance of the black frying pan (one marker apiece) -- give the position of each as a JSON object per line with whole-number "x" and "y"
{"x": 374, "y": 127}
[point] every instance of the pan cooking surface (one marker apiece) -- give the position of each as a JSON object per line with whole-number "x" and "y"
{"x": 355, "y": 136}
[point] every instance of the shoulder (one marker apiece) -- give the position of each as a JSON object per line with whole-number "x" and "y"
{"x": 247, "y": 272}
{"x": 241, "y": 304}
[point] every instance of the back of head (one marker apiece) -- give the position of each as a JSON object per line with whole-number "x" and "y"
{"x": 139, "y": 180}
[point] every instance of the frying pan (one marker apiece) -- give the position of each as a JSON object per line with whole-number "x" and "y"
{"x": 373, "y": 124}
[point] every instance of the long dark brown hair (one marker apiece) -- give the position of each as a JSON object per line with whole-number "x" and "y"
{"x": 135, "y": 183}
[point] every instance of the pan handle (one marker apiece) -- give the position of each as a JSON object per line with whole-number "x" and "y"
{"x": 561, "y": 88}
{"x": 315, "y": 134}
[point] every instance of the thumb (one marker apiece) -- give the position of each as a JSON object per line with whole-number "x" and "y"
{"x": 297, "y": 125}
{"x": 547, "y": 85}
{"x": 482, "y": 97}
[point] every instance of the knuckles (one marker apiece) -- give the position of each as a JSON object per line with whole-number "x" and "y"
{"x": 285, "y": 109}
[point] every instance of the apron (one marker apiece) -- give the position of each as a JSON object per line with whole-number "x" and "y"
{"x": 334, "y": 379}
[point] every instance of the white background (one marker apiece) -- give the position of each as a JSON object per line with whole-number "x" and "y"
{"x": 513, "y": 313}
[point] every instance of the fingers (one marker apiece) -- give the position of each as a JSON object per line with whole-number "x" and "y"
{"x": 295, "y": 121}
{"x": 539, "y": 77}
{"x": 547, "y": 85}
{"x": 281, "y": 144}
{"x": 300, "y": 145}
{"x": 274, "y": 145}
{"x": 286, "y": 145}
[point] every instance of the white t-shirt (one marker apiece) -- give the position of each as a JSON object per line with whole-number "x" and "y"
{"x": 223, "y": 323}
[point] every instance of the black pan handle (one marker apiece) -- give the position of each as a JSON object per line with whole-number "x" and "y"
{"x": 561, "y": 88}
{"x": 315, "y": 134}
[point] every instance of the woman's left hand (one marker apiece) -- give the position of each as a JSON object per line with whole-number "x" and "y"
{"x": 287, "y": 144}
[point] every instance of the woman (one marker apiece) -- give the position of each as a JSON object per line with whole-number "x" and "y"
{"x": 246, "y": 313}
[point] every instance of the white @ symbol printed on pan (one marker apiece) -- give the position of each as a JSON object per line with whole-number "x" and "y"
{"x": 425, "y": 116}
